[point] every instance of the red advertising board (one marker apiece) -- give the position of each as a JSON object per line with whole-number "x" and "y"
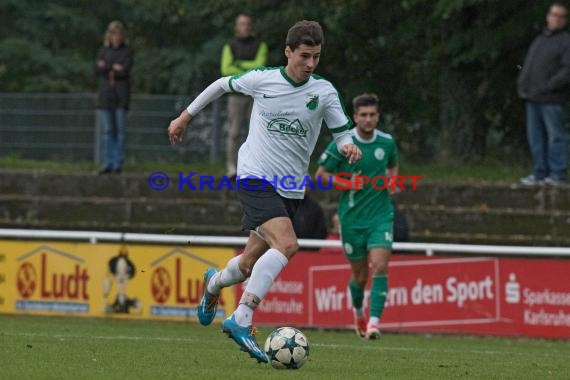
{"x": 498, "y": 296}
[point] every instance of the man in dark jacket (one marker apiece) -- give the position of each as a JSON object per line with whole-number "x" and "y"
{"x": 243, "y": 53}
{"x": 544, "y": 83}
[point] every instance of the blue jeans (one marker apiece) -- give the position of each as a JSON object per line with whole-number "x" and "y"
{"x": 547, "y": 137}
{"x": 113, "y": 123}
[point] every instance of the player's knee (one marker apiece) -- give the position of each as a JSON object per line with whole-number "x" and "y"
{"x": 361, "y": 278}
{"x": 380, "y": 267}
{"x": 289, "y": 247}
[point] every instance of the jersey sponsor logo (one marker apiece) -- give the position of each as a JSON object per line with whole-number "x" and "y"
{"x": 388, "y": 236}
{"x": 379, "y": 154}
{"x": 285, "y": 126}
{"x": 312, "y": 101}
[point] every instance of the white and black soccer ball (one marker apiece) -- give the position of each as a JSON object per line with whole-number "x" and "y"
{"x": 287, "y": 348}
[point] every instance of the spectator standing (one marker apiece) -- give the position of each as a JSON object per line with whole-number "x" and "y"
{"x": 544, "y": 83}
{"x": 243, "y": 53}
{"x": 114, "y": 63}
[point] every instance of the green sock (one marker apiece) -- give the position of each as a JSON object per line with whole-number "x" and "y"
{"x": 357, "y": 294}
{"x": 378, "y": 294}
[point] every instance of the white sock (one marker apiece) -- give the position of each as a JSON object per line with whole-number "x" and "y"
{"x": 228, "y": 276}
{"x": 374, "y": 321}
{"x": 264, "y": 272}
{"x": 359, "y": 312}
{"x": 244, "y": 315}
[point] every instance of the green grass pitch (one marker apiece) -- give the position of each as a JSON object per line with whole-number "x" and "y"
{"x": 75, "y": 348}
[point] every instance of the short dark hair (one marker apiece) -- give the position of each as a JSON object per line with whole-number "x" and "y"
{"x": 365, "y": 100}
{"x": 304, "y": 32}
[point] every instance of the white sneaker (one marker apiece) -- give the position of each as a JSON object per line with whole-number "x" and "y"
{"x": 531, "y": 181}
{"x": 554, "y": 182}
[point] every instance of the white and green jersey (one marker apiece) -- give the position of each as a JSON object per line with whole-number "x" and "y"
{"x": 367, "y": 206}
{"x": 285, "y": 123}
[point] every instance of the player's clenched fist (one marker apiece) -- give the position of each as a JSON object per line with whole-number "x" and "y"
{"x": 351, "y": 152}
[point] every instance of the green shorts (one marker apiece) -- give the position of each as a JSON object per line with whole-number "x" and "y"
{"x": 357, "y": 241}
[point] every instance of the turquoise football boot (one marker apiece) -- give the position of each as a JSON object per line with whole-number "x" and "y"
{"x": 243, "y": 336}
{"x": 209, "y": 303}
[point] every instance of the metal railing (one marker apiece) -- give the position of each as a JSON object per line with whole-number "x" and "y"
{"x": 428, "y": 248}
{"x": 55, "y": 126}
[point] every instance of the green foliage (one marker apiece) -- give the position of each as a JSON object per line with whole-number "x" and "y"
{"x": 445, "y": 70}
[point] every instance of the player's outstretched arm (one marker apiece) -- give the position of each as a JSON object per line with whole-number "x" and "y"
{"x": 178, "y": 126}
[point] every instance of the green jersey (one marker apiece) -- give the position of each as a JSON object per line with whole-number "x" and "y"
{"x": 367, "y": 206}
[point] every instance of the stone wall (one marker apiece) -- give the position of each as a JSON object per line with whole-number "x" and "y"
{"x": 441, "y": 212}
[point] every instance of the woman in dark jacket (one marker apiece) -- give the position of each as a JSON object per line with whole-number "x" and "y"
{"x": 114, "y": 63}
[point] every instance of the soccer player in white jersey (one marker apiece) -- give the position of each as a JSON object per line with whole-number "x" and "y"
{"x": 290, "y": 104}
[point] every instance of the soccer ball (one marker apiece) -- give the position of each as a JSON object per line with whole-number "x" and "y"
{"x": 287, "y": 347}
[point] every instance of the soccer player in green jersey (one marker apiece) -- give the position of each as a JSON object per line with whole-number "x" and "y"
{"x": 366, "y": 213}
